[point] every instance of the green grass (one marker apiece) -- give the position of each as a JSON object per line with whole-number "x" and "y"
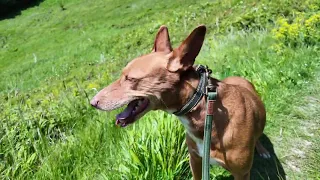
{"x": 52, "y": 61}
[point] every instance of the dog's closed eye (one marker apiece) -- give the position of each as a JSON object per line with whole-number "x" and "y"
{"x": 131, "y": 79}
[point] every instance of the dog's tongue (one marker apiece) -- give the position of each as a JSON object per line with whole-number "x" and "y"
{"x": 124, "y": 115}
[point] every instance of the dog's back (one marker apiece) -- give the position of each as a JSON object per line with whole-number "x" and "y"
{"x": 239, "y": 81}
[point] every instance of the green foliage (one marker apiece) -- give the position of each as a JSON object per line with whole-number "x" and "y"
{"x": 262, "y": 15}
{"x": 302, "y": 30}
{"x": 71, "y": 49}
{"x": 299, "y": 28}
{"x": 161, "y": 154}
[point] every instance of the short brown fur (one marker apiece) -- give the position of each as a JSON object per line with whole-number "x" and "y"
{"x": 166, "y": 77}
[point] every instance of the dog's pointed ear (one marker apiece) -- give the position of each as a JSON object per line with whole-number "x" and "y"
{"x": 162, "y": 42}
{"x": 184, "y": 56}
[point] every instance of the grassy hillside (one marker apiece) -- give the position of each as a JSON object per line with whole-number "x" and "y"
{"x": 54, "y": 58}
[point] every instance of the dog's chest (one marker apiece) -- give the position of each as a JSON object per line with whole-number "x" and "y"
{"x": 199, "y": 142}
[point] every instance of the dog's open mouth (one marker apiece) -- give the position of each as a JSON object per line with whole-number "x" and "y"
{"x": 133, "y": 109}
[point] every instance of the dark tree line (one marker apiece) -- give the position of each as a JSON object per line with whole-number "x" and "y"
{"x": 11, "y": 8}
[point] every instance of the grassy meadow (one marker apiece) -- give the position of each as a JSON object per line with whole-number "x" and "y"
{"x": 54, "y": 58}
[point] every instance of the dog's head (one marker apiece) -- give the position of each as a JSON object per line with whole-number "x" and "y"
{"x": 152, "y": 81}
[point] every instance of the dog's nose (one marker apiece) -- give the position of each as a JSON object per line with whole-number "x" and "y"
{"x": 94, "y": 102}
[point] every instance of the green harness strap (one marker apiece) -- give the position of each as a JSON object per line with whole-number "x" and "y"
{"x": 207, "y": 136}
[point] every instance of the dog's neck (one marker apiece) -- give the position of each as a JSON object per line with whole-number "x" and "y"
{"x": 195, "y": 119}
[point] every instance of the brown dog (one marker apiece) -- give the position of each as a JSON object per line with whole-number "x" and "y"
{"x": 165, "y": 79}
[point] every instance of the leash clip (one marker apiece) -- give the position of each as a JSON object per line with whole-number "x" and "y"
{"x": 209, "y": 87}
{"x": 208, "y": 71}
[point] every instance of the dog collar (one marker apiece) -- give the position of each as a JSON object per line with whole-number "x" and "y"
{"x": 202, "y": 89}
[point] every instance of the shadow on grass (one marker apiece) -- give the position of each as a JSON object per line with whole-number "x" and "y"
{"x": 12, "y": 9}
{"x": 267, "y": 168}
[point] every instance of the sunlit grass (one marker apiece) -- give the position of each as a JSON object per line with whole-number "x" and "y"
{"x": 52, "y": 62}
